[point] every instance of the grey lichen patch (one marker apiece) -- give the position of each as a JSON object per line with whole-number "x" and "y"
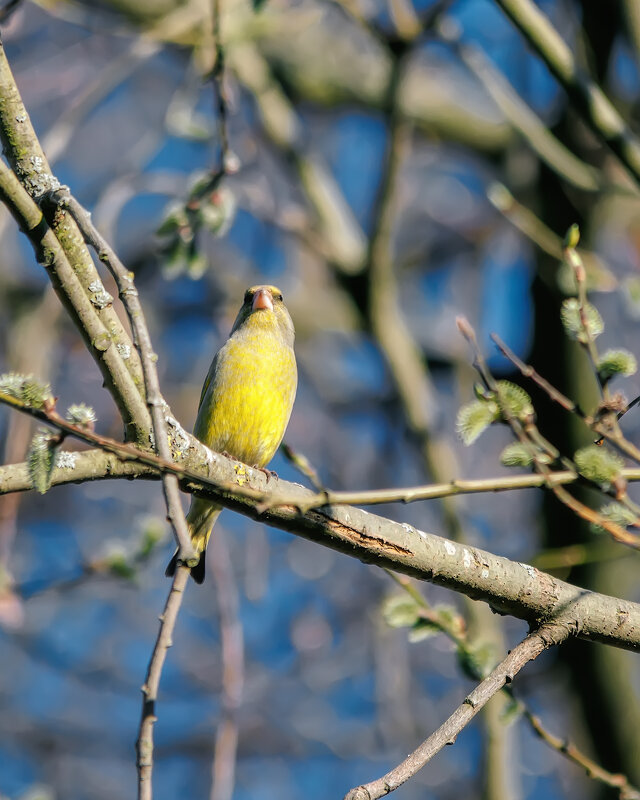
{"x": 38, "y": 181}
{"x": 531, "y": 571}
{"x": 99, "y": 295}
{"x": 124, "y": 350}
{"x": 66, "y": 460}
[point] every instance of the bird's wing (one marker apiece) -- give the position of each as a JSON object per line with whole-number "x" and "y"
{"x": 208, "y": 379}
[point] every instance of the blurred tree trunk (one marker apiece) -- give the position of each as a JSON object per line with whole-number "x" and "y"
{"x": 601, "y": 677}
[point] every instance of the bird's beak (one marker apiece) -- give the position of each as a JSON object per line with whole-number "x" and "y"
{"x": 262, "y": 299}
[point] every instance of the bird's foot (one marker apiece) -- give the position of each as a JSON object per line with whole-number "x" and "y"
{"x": 268, "y": 472}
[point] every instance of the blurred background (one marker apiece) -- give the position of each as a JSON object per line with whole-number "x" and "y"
{"x": 394, "y": 165}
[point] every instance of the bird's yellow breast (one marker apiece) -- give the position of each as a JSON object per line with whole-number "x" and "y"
{"x": 247, "y": 400}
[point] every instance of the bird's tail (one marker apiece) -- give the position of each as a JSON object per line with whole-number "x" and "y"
{"x": 200, "y": 519}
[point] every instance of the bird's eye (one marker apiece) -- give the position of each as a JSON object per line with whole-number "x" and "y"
{"x": 277, "y": 296}
{"x": 248, "y": 296}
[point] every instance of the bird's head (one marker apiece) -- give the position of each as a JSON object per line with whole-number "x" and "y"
{"x": 263, "y": 308}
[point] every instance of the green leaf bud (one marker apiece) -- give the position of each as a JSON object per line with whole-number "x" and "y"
{"x": 616, "y": 362}
{"x": 598, "y": 464}
{"x": 474, "y": 418}
{"x": 616, "y": 513}
{"x": 41, "y": 459}
{"x": 572, "y": 323}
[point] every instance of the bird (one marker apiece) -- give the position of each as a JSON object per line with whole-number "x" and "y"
{"x": 246, "y": 400}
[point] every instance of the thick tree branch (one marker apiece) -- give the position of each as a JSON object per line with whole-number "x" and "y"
{"x": 62, "y": 251}
{"x": 69, "y": 289}
{"x": 76, "y": 467}
{"x": 509, "y": 587}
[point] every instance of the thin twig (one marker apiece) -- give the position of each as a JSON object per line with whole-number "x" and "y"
{"x": 626, "y": 791}
{"x": 530, "y": 438}
{"x": 575, "y": 262}
{"x": 529, "y": 372}
{"x": 232, "y": 651}
{"x": 614, "y": 437}
{"x": 129, "y": 452}
{"x": 144, "y": 745}
{"x": 549, "y": 634}
{"x": 142, "y": 340}
{"x": 460, "y": 638}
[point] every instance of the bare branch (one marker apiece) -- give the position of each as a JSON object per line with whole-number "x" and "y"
{"x": 587, "y": 97}
{"x": 97, "y": 338}
{"x": 548, "y": 635}
{"x": 509, "y": 587}
{"x": 69, "y": 264}
{"x": 573, "y": 754}
{"x": 232, "y": 644}
{"x": 155, "y": 402}
{"x": 144, "y": 746}
{"x": 460, "y": 638}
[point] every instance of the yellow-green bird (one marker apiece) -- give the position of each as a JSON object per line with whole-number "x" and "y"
{"x": 246, "y": 400}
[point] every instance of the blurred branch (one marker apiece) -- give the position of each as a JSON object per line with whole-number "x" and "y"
{"x": 155, "y": 402}
{"x": 358, "y": 75}
{"x": 337, "y": 226}
{"x": 57, "y": 138}
{"x": 509, "y": 587}
{"x": 631, "y": 11}
{"x": 31, "y": 349}
{"x": 599, "y": 274}
{"x": 384, "y": 311}
{"x": 566, "y": 748}
{"x": 549, "y": 634}
{"x": 548, "y": 148}
{"x": 585, "y": 95}
{"x": 144, "y": 745}
{"x": 218, "y": 78}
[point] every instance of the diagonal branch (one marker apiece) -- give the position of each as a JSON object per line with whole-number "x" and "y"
{"x": 551, "y": 633}
{"x": 519, "y": 590}
{"x": 142, "y": 340}
{"x": 584, "y": 93}
{"x": 76, "y": 272}
{"x": 97, "y": 337}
